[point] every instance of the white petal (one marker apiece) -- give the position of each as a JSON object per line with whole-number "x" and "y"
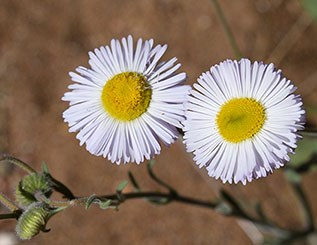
{"x": 254, "y": 157}
{"x": 138, "y": 139}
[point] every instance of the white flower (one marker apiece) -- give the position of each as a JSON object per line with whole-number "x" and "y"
{"x": 126, "y": 102}
{"x": 242, "y": 120}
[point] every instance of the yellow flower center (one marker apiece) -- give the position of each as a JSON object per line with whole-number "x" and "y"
{"x": 126, "y": 96}
{"x": 240, "y": 119}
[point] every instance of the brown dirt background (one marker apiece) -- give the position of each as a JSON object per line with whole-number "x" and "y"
{"x": 41, "y": 41}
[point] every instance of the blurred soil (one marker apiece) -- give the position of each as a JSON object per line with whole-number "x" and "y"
{"x": 41, "y": 41}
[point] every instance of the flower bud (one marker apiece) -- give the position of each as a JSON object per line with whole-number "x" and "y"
{"x": 33, "y": 220}
{"x": 29, "y": 185}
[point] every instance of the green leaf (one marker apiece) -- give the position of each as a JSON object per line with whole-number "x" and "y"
{"x": 122, "y": 185}
{"x": 151, "y": 163}
{"x": 311, "y": 7}
{"x": 90, "y": 200}
{"x": 105, "y": 204}
{"x": 304, "y": 151}
{"x": 292, "y": 176}
{"x": 223, "y": 208}
{"x": 45, "y": 168}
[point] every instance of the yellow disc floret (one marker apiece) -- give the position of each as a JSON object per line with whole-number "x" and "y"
{"x": 126, "y": 96}
{"x": 240, "y": 119}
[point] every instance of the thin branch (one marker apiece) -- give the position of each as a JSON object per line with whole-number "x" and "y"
{"x": 290, "y": 39}
{"x": 262, "y": 225}
{"x": 227, "y": 29}
{"x": 9, "y": 216}
{"x": 137, "y": 195}
{"x": 158, "y": 180}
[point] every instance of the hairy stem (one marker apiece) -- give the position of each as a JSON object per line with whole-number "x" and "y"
{"x": 24, "y": 166}
{"x": 8, "y": 203}
{"x": 137, "y": 195}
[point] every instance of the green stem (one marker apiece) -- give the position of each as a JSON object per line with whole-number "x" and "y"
{"x": 24, "y": 166}
{"x": 158, "y": 180}
{"x": 52, "y": 203}
{"x": 8, "y": 203}
{"x": 227, "y": 29}
{"x": 309, "y": 132}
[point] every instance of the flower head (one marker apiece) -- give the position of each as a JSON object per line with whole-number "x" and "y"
{"x": 29, "y": 185}
{"x": 34, "y": 219}
{"x": 242, "y": 120}
{"x": 127, "y": 102}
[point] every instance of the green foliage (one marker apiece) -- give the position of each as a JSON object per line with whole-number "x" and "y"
{"x": 122, "y": 185}
{"x": 45, "y": 168}
{"x": 105, "y": 204}
{"x": 223, "y": 208}
{"x": 307, "y": 148}
{"x": 292, "y": 176}
{"x": 90, "y": 200}
{"x": 311, "y": 7}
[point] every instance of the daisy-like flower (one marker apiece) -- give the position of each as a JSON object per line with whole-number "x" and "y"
{"x": 242, "y": 120}
{"x": 127, "y": 102}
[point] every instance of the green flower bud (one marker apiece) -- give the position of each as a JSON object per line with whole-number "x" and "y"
{"x": 33, "y": 220}
{"x": 29, "y": 185}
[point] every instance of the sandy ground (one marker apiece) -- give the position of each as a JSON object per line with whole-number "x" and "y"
{"x": 41, "y": 41}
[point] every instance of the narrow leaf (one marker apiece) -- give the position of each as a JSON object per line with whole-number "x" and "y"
{"x": 122, "y": 185}
{"x": 105, "y": 204}
{"x": 223, "y": 208}
{"x": 90, "y": 200}
{"x": 45, "y": 168}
